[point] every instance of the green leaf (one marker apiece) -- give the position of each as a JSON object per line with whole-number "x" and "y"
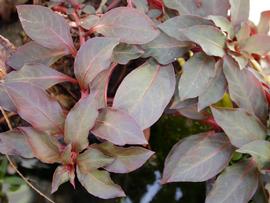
{"x": 197, "y": 75}
{"x": 80, "y": 120}
{"x": 214, "y": 45}
{"x": 237, "y": 184}
{"x": 99, "y": 184}
{"x": 197, "y": 158}
{"x": 126, "y": 159}
{"x": 224, "y": 24}
{"x": 240, "y": 126}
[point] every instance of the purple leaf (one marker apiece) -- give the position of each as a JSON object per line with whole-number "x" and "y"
{"x": 123, "y": 53}
{"x": 245, "y": 89}
{"x": 145, "y": 92}
{"x": 125, "y": 159}
{"x": 93, "y": 159}
{"x": 118, "y": 127}
{"x": 239, "y": 11}
{"x": 256, "y": 44}
{"x": 216, "y": 89}
{"x": 99, "y": 184}
{"x": 89, "y": 22}
{"x": 175, "y": 27}
{"x": 128, "y": 24}
{"x": 80, "y": 119}
{"x": 39, "y": 75}
{"x": 239, "y": 126}
{"x": 214, "y": 45}
{"x": 15, "y": 143}
{"x": 197, "y": 158}
{"x": 32, "y": 52}
{"x": 197, "y": 75}
{"x": 5, "y": 101}
{"x": 60, "y": 176}
{"x": 44, "y": 146}
{"x": 92, "y": 58}
{"x": 36, "y": 107}
{"x": 237, "y": 184}
{"x": 46, "y": 27}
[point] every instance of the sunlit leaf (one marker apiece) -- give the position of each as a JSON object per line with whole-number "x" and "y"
{"x": 197, "y": 158}
{"x": 32, "y": 52}
{"x": 256, "y": 44}
{"x": 197, "y": 75}
{"x": 128, "y": 24}
{"x": 60, "y": 176}
{"x": 44, "y": 146}
{"x": 80, "y": 119}
{"x": 245, "y": 89}
{"x": 239, "y": 11}
{"x": 146, "y": 92}
{"x": 99, "y": 184}
{"x": 45, "y": 27}
{"x": 118, "y": 127}
{"x": 237, "y": 184}
{"x": 125, "y": 159}
{"x": 15, "y": 143}
{"x": 264, "y": 26}
{"x": 224, "y": 24}
{"x": 240, "y": 126}
{"x": 36, "y": 107}
{"x": 92, "y": 58}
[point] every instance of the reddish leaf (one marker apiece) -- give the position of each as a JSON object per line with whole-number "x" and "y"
{"x": 129, "y": 25}
{"x": 256, "y": 44}
{"x": 46, "y": 27}
{"x": 32, "y": 52}
{"x": 146, "y": 92}
{"x": 237, "y": 184}
{"x": 44, "y": 147}
{"x": 39, "y": 75}
{"x": 36, "y": 107}
{"x": 99, "y": 184}
{"x": 263, "y": 26}
{"x": 60, "y": 176}
{"x": 15, "y": 143}
{"x": 5, "y": 101}
{"x": 118, "y": 127}
{"x": 197, "y": 158}
{"x": 125, "y": 160}
{"x": 239, "y": 11}
{"x": 89, "y": 62}
{"x": 80, "y": 119}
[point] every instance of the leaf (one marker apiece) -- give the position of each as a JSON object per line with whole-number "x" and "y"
{"x": 165, "y": 49}
{"x": 99, "y": 87}
{"x": 45, "y": 27}
{"x": 44, "y": 147}
{"x": 263, "y": 26}
{"x": 128, "y": 24}
{"x": 245, "y": 89}
{"x": 202, "y": 7}
{"x": 123, "y": 53}
{"x": 93, "y": 159}
{"x": 5, "y": 101}
{"x": 125, "y": 159}
{"x": 214, "y": 45}
{"x": 237, "y": 184}
{"x": 99, "y": 184}
{"x": 224, "y": 24}
{"x": 256, "y": 44}
{"x": 15, "y": 143}
{"x": 175, "y": 27}
{"x": 239, "y": 11}
{"x": 240, "y": 126}
{"x": 93, "y": 57}
{"x": 216, "y": 89}
{"x": 141, "y": 5}
{"x": 39, "y": 75}
{"x": 118, "y": 127}
{"x": 60, "y": 176}
{"x": 145, "y": 92}
{"x": 80, "y": 119}
{"x": 36, "y": 107}
{"x": 197, "y": 75}
{"x": 259, "y": 149}
{"x": 89, "y": 22}
{"x": 32, "y": 52}
{"x": 197, "y": 158}
{"x": 6, "y": 49}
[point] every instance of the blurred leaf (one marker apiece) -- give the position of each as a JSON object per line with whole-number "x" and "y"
{"x": 60, "y": 176}
{"x": 224, "y": 24}
{"x": 239, "y": 11}
{"x": 123, "y": 53}
{"x": 89, "y": 22}
{"x": 263, "y": 26}
{"x": 256, "y": 44}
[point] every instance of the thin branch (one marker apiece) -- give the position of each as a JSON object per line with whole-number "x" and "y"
{"x": 14, "y": 166}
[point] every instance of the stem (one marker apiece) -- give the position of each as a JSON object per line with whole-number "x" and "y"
{"x": 129, "y": 4}
{"x": 81, "y": 32}
{"x": 14, "y": 166}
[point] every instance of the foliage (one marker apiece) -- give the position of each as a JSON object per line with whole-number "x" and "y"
{"x": 224, "y": 83}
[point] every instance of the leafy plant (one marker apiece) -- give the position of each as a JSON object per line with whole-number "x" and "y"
{"x": 221, "y": 78}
